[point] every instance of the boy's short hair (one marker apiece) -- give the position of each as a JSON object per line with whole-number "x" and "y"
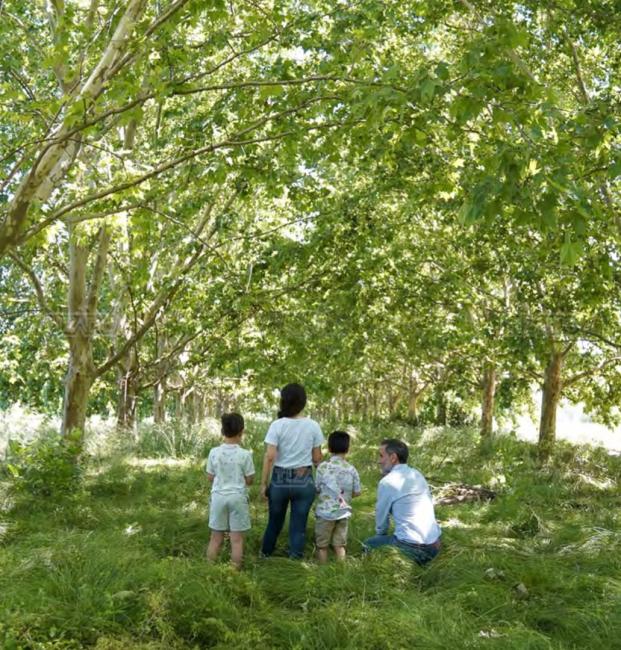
{"x": 232, "y": 424}
{"x": 338, "y": 442}
{"x": 394, "y": 446}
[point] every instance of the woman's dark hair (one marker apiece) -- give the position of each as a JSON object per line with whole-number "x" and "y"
{"x": 292, "y": 400}
{"x": 338, "y": 442}
{"x": 232, "y": 424}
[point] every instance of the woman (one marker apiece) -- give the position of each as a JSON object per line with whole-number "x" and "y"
{"x": 293, "y": 445}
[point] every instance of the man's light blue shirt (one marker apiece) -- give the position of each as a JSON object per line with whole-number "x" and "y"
{"x": 404, "y": 494}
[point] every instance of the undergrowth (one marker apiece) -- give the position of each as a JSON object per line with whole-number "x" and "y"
{"x": 120, "y": 563}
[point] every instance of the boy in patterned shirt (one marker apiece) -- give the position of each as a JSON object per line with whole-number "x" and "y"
{"x": 337, "y": 483}
{"x": 231, "y": 469}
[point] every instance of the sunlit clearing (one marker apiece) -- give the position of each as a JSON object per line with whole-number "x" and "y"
{"x": 156, "y": 463}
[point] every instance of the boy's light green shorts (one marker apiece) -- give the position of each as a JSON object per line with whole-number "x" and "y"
{"x": 229, "y": 512}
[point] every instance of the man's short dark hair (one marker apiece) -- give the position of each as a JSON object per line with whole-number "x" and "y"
{"x": 394, "y": 446}
{"x": 338, "y": 442}
{"x": 232, "y": 424}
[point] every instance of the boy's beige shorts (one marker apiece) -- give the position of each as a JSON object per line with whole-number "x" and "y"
{"x": 331, "y": 531}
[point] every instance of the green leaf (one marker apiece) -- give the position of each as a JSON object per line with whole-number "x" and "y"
{"x": 500, "y": 116}
{"x": 420, "y": 136}
{"x": 579, "y": 224}
{"x": 427, "y": 90}
{"x": 614, "y": 171}
{"x": 442, "y": 71}
{"x": 13, "y": 469}
{"x": 271, "y": 91}
{"x": 570, "y": 251}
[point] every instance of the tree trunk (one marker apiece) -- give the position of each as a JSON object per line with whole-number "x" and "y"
{"x": 220, "y": 406}
{"x": 363, "y": 398}
{"x": 80, "y": 371}
{"x": 442, "y": 409}
{"x": 189, "y": 406}
{"x": 81, "y": 317}
{"x": 552, "y": 387}
{"x": 393, "y": 400}
{"x": 159, "y": 403}
{"x": 200, "y": 407}
{"x": 413, "y": 407}
{"x": 177, "y": 407}
{"x": 210, "y": 409}
{"x": 487, "y": 402}
{"x": 78, "y": 382}
{"x": 159, "y": 390}
{"x": 413, "y": 395}
{"x": 128, "y": 391}
{"x": 374, "y": 409}
{"x": 342, "y": 407}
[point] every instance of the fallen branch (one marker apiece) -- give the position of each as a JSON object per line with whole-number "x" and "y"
{"x": 452, "y": 493}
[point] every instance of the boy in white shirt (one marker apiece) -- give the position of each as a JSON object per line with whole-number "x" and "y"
{"x": 337, "y": 483}
{"x": 231, "y": 469}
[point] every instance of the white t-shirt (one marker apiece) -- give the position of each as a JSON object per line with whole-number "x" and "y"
{"x": 294, "y": 439}
{"x": 230, "y": 464}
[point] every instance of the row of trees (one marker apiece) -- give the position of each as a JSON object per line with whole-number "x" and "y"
{"x": 397, "y": 204}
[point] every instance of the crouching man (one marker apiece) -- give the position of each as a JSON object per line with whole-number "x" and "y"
{"x": 403, "y": 493}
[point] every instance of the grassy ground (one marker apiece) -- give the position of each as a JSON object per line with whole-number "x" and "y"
{"x": 121, "y": 564}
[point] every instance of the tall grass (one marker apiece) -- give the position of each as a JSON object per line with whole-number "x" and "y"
{"x": 121, "y": 563}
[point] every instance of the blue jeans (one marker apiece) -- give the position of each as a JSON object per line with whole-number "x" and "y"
{"x": 288, "y": 487}
{"x": 420, "y": 553}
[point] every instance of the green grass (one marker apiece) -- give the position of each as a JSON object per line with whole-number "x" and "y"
{"x": 121, "y": 564}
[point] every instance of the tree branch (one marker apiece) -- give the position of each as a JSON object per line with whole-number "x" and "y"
{"x": 129, "y": 56}
{"x": 164, "y": 296}
{"x": 38, "y": 290}
{"x": 56, "y": 158}
{"x": 224, "y": 144}
{"x": 572, "y": 380}
{"x": 578, "y": 71}
{"x": 538, "y": 377}
{"x": 599, "y": 337}
{"x": 513, "y": 55}
{"x": 253, "y": 83}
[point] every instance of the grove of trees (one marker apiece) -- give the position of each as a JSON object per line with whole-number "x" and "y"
{"x": 413, "y": 207}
